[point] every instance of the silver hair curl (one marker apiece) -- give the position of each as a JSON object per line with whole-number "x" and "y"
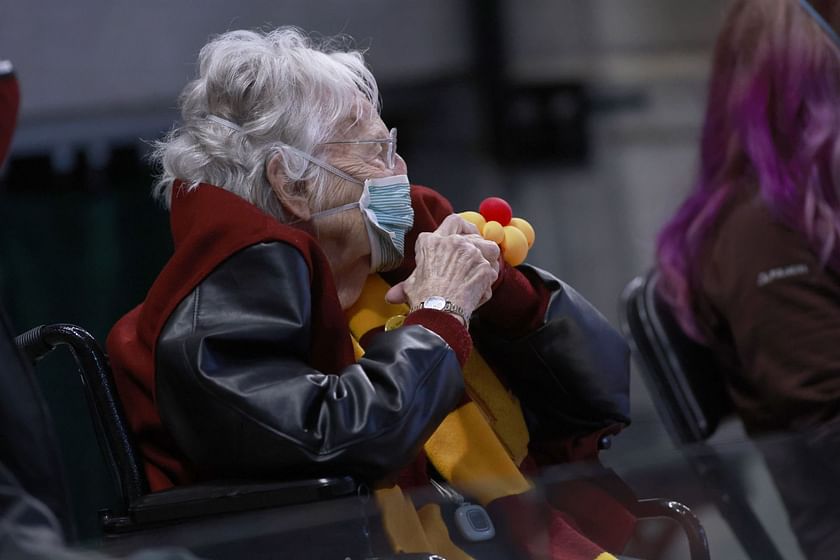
{"x": 282, "y": 88}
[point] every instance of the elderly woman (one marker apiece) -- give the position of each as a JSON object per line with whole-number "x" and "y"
{"x": 318, "y": 315}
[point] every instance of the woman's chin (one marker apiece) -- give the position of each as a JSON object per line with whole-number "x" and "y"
{"x": 351, "y": 282}
{"x": 348, "y": 297}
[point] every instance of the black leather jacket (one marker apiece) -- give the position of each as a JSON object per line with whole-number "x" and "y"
{"x": 572, "y": 375}
{"x": 235, "y": 390}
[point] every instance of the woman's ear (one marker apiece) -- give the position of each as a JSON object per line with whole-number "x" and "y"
{"x": 290, "y": 193}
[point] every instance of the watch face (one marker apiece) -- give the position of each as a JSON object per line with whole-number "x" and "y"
{"x": 434, "y": 302}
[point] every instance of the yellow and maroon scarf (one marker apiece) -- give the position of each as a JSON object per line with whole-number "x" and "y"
{"x": 478, "y": 447}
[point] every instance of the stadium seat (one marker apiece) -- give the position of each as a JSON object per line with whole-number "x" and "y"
{"x": 688, "y": 390}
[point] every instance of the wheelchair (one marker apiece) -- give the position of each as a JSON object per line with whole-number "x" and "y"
{"x": 322, "y": 517}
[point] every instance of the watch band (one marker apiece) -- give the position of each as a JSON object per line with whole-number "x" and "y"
{"x": 439, "y": 303}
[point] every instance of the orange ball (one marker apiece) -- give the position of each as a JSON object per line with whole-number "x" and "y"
{"x": 526, "y": 228}
{"x": 474, "y": 218}
{"x": 493, "y": 231}
{"x": 514, "y": 246}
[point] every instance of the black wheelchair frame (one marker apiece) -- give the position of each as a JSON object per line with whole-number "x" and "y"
{"x": 141, "y": 513}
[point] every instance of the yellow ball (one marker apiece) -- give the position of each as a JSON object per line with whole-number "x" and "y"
{"x": 514, "y": 246}
{"x": 474, "y": 218}
{"x": 493, "y": 231}
{"x": 525, "y": 228}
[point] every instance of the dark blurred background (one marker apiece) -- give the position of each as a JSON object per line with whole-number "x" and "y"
{"x": 583, "y": 114}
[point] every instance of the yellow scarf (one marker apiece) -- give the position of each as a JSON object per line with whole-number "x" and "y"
{"x": 477, "y": 447}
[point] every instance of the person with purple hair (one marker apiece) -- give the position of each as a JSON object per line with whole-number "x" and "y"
{"x": 750, "y": 262}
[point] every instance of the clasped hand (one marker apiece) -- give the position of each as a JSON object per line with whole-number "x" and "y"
{"x": 454, "y": 262}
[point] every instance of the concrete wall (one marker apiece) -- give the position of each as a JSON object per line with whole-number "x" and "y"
{"x": 95, "y": 56}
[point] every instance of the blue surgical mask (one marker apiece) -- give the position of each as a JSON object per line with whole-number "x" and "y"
{"x": 385, "y": 205}
{"x": 386, "y": 209}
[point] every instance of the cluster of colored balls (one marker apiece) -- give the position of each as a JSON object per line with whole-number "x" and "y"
{"x": 496, "y": 223}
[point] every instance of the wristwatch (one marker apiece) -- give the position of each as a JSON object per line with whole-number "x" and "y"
{"x": 440, "y": 303}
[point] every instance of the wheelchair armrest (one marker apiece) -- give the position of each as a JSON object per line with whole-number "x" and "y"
{"x": 410, "y": 556}
{"x": 212, "y": 498}
{"x": 698, "y": 544}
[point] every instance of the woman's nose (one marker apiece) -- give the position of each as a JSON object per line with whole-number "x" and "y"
{"x": 400, "y": 167}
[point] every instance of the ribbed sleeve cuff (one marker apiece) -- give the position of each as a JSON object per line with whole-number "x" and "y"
{"x": 448, "y": 327}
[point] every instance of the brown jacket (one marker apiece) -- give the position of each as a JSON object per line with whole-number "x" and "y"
{"x": 773, "y": 312}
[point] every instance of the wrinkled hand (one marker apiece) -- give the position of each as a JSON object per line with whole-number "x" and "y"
{"x": 454, "y": 262}
{"x": 456, "y": 225}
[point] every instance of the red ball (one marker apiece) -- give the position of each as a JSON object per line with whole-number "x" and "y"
{"x": 495, "y": 209}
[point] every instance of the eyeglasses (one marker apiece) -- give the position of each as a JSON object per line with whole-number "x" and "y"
{"x": 388, "y": 146}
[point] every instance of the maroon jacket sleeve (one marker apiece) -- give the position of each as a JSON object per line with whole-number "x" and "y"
{"x": 9, "y": 101}
{"x": 448, "y": 327}
{"x": 518, "y": 305}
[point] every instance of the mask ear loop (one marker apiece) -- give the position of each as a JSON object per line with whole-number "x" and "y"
{"x": 331, "y": 169}
{"x": 829, "y": 30}
{"x": 330, "y": 212}
{"x": 313, "y": 160}
{"x": 336, "y": 210}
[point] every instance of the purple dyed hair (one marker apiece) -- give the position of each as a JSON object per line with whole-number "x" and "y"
{"x": 772, "y": 121}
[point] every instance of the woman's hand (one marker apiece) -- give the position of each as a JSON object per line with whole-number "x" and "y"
{"x": 456, "y": 225}
{"x": 454, "y": 262}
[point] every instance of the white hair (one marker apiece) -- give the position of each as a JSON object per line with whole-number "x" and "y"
{"x": 277, "y": 88}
